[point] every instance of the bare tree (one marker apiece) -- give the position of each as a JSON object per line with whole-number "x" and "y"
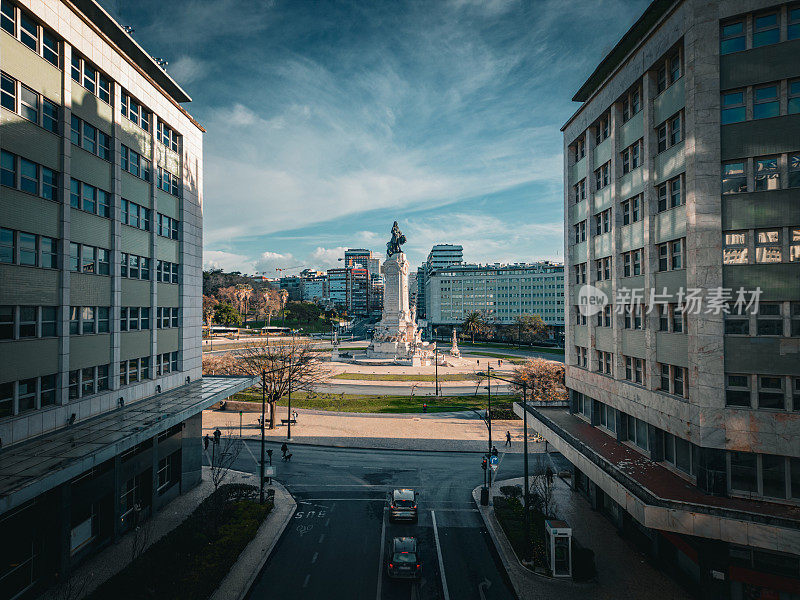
{"x": 542, "y": 492}
{"x": 223, "y": 456}
{"x": 209, "y": 304}
{"x": 291, "y": 365}
{"x": 544, "y": 380}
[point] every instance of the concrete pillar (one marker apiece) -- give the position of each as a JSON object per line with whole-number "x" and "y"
{"x": 191, "y": 452}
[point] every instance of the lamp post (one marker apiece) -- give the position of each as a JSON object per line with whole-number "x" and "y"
{"x": 489, "y": 416}
{"x": 436, "y": 366}
{"x": 289, "y": 420}
{"x": 263, "y": 422}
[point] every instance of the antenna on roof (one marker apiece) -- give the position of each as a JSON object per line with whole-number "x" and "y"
{"x": 161, "y": 62}
{"x": 129, "y": 29}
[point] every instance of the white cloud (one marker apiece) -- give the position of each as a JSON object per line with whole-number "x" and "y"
{"x": 227, "y": 261}
{"x": 326, "y": 258}
{"x": 269, "y": 263}
{"x": 186, "y": 70}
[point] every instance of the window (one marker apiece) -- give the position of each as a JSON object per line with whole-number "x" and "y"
{"x": 605, "y": 362}
{"x": 734, "y": 178}
{"x": 632, "y": 263}
{"x": 608, "y": 417}
{"x": 8, "y": 21}
{"x": 167, "y": 136}
{"x": 8, "y": 92}
{"x": 734, "y": 251}
{"x": 767, "y": 176}
{"x": 580, "y": 232}
{"x": 768, "y": 246}
{"x": 678, "y": 452}
{"x": 49, "y": 321}
{"x": 89, "y": 198}
{"x": 29, "y": 104}
{"x": 733, "y": 107}
{"x": 580, "y": 273}
{"x": 603, "y": 268}
{"x": 601, "y": 176}
{"x": 601, "y": 130}
{"x": 732, "y": 37}
{"x": 794, "y": 244}
{"x": 794, "y": 170}
{"x": 668, "y": 72}
{"x": 675, "y": 134}
{"x": 29, "y": 176}
{"x": 634, "y": 369}
{"x": 769, "y": 319}
{"x": 743, "y": 471}
{"x": 28, "y": 254}
{"x": 581, "y": 356}
{"x": 134, "y": 215}
{"x": 168, "y": 182}
{"x": 631, "y": 210}
{"x": 770, "y": 392}
{"x": 793, "y": 31}
{"x": 580, "y": 150}
{"x": 26, "y": 395}
{"x": 164, "y": 473}
{"x": 89, "y": 76}
{"x": 673, "y": 380}
{"x": 135, "y": 112}
{"x": 637, "y": 432}
{"x": 766, "y": 30}
{"x": 167, "y": 226}
{"x": 135, "y": 164}
{"x": 670, "y": 255}
{"x": 631, "y": 157}
{"x": 602, "y": 222}
{"x": 27, "y": 321}
{"x": 631, "y": 104}
{"x": 90, "y": 138}
{"x": 737, "y": 390}
{"x": 604, "y": 316}
{"x": 580, "y": 190}
{"x": 765, "y": 102}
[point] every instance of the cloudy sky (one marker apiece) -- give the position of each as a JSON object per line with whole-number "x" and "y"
{"x": 326, "y": 121}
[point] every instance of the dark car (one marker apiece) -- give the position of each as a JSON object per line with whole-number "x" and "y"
{"x": 404, "y": 561}
{"x": 403, "y": 505}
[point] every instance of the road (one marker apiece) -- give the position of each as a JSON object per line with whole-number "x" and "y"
{"x": 404, "y": 389}
{"x": 336, "y": 545}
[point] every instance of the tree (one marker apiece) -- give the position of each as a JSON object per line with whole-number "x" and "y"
{"x": 225, "y": 314}
{"x": 542, "y": 492}
{"x": 266, "y": 302}
{"x": 291, "y": 364}
{"x": 544, "y": 380}
{"x": 223, "y": 455}
{"x": 530, "y": 326}
{"x": 209, "y": 304}
{"x": 473, "y": 324}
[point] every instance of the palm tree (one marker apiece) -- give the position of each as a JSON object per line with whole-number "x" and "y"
{"x": 473, "y": 324}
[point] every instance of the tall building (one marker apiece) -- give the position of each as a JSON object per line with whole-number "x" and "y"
{"x": 100, "y": 304}
{"x": 500, "y": 293}
{"x": 365, "y": 258}
{"x": 682, "y": 172}
{"x": 349, "y": 290}
{"x": 440, "y": 256}
{"x": 314, "y": 285}
{"x": 372, "y": 288}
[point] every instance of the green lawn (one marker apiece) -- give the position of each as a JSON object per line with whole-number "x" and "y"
{"x": 366, "y": 403}
{"x": 514, "y": 360}
{"x": 404, "y": 377}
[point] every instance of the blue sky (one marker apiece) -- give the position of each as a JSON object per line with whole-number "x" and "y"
{"x": 326, "y": 121}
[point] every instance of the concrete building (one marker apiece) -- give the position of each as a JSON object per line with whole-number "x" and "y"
{"x": 367, "y": 259}
{"x": 440, "y": 256}
{"x": 293, "y": 284}
{"x": 349, "y": 290}
{"x": 499, "y": 292}
{"x": 314, "y": 287}
{"x": 681, "y": 173}
{"x": 100, "y": 303}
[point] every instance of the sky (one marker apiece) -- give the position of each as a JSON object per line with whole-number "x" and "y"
{"x": 327, "y": 121}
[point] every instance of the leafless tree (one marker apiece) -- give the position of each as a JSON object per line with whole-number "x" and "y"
{"x": 542, "y": 491}
{"x": 292, "y": 364}
{"x": 142, "y": 533}
{"x": 223, "y": 456}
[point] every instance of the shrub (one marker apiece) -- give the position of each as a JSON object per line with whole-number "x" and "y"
{"x": 511, "y": 491}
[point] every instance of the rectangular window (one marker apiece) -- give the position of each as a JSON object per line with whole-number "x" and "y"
{"x": 89, "y": 77}
{"x": 103, "y": 319}
{"x": 87, "y": 320}
{"x": 75, "y": 130}
{"x": 49, "y": 321}
{"x": 6, "y": 322}
{"x": 103, "y": 264}
{"x": 770, "y": 392}
{"x": 765, "y": 102}
{"x": 675, "y": 135}
{"x": 29, "y": 176}
{"x": 768, "y": 246}
{"x": 89, "y": 142}
{"x": 794, "y": 96}
{"x": 734, "y": 178}
{"x": 767, "y": 175}
{"x": 103, "y": 146}
{"x": 74, "y": 320}
{"x": 732, "y": 37}
{"x": 49, "y": 115}
{"x": 766, "y": 30}
{"x": 8, "y": 169}
{"x": 87, "y": 381}
{"x": 8, "y": 21}
{"x": 793, "y": 33}
{"x": 8, "y": 92}
{"x": 794, "y": 244}
{"x": 733, "y": 107}
{"x": 29, "y": 32}
{"x": 49, "y": 184}
{"x": 74, "y": 256}
{"x": 27, "y": 321}
{"x": 47, "y": 390}
{"x": 89, "y": 198}
{"x": 104, "y": 87}
{"x": 675, "y": 194}
{"x": 28, "y": 254}
{"x": 102, "y": 378}
{"x": 737, "y": 390}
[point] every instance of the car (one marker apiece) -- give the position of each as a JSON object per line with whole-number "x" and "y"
{"x": 403, "y": 505}
{"x": 403, "y": 559}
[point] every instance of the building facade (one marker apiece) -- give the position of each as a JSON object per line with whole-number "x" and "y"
{"x": 501, "y": 293}
{"x": 100, "y": 305}
{"x": 681, "y": 173}
{"x": 440, "y": 256}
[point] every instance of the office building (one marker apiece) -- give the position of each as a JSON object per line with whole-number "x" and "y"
{"x": 354, "y": 257}
{"x": 682, "y": 172}
{"x": 500, "y": 293}
{"x": 100, "y": 304}
{"x": 349, "y": 289}
{"x": 440, "y": 256}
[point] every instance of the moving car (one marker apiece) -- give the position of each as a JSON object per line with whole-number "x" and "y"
{"x": 404, "y": 561}
{"x": 403, "y": 505}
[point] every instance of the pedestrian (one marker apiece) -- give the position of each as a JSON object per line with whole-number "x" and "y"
{"x": 425, "y": 407}
{"x": 205, "y": 442}
{"x": 508, "y": 438}
{"x": 294, "y": 415}
{"x": 494, "y": 451}
{"x": 217, "y": 435}
{"x": 549, "y": 474}
{"x": 284, "y": 449}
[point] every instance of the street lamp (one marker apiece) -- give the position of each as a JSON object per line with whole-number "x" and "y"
{"x": 263, "y": 440}
{"x": 436, "y": 367}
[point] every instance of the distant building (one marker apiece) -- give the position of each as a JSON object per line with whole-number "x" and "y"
{"x": 294, "y": 286}
{"x": 354, "y": 257}
{"x": 349, "y": 290}
{"x": 440, "y": 256}
{"x": 499, "y": 292}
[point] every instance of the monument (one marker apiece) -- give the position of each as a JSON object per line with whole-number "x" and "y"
{"x": 454, "y": 351}
{"x": 396, "y": 338}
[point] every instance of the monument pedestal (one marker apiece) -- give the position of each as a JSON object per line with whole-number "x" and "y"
{"x": 396, "y": 337}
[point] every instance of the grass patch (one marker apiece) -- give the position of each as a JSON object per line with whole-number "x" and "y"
{"x": 514, "y": 360}
{"x": 405, "y": 377}
{"x": 366, "y": 403}
{"x": 190, "y": 562}
{"x": 500, "y": 346}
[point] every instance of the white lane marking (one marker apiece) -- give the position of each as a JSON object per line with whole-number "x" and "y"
{"x": 305, "y": 583}
{"x": 483, "y": 587}
{"x": 439, "y": 554}
{"x": 314, "y": 558}
{"x": 353, "y": 485}
{"x": 328, "y": 521}
{"x": 322, "y": 537}
{"x": 251, "y": 454}
{"x": 380, "y": 555}
{"x": 346, "y": 499}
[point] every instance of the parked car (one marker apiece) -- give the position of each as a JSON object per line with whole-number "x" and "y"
{"x": 403, "y": 559}
{"x": 403, "y": 505}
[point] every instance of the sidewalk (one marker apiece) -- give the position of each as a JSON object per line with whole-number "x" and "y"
{"x": 112, "y": 559}
{"x": 623, "y": 573}
{"x": 453, "y": 432}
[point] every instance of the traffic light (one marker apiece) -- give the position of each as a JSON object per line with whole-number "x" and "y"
{"x": 483, "y": 463}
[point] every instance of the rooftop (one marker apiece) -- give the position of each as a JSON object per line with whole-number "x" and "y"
{"x": 653, "y": 483}
{"x": 35, "y": 466}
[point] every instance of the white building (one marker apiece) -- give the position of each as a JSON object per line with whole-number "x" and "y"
{"x": 499, "y": 292}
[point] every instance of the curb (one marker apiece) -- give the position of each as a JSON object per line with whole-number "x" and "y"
{"x": 499, "y": 547}
{"x": 237, "y": 583}
{"x": 341, "y": 446}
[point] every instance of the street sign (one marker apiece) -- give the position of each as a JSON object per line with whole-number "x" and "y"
{"x": 269, "y": 471}
{"x": 494, "y": 461}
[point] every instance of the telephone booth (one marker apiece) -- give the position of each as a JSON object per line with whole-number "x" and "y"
{"x": 559, "y": 547}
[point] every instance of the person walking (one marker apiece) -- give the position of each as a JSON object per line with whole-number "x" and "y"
{"x": 284, "y": 449}
{"x": 217, "y": 435}
{"x": 206, "y": 439}
{"x": 508, "y": 438}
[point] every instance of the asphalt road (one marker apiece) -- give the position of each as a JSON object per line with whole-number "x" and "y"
{"x": 404, "y": 389}
{"x": 337, "y": 543}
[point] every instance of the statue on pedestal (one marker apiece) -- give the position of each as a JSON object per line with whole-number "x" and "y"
{"x": 454, "y": 351}
{"x": 398, "y": 239}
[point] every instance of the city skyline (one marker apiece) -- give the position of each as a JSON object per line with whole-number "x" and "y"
{"x": 438, "y": 118}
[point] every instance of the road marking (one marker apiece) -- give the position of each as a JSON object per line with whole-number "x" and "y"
{"x": 305, "y": 583}
{"x": 251, "y": 454}
{"x": 380, "y": 556}
{"x": 322, "y": 537}
{"x": 346, "y": 499}
{"x": 483, "y": 587}
{"x": 439, "y": 554}
{"x": 328, "y": 521}
{"x": 314, "y": 558}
